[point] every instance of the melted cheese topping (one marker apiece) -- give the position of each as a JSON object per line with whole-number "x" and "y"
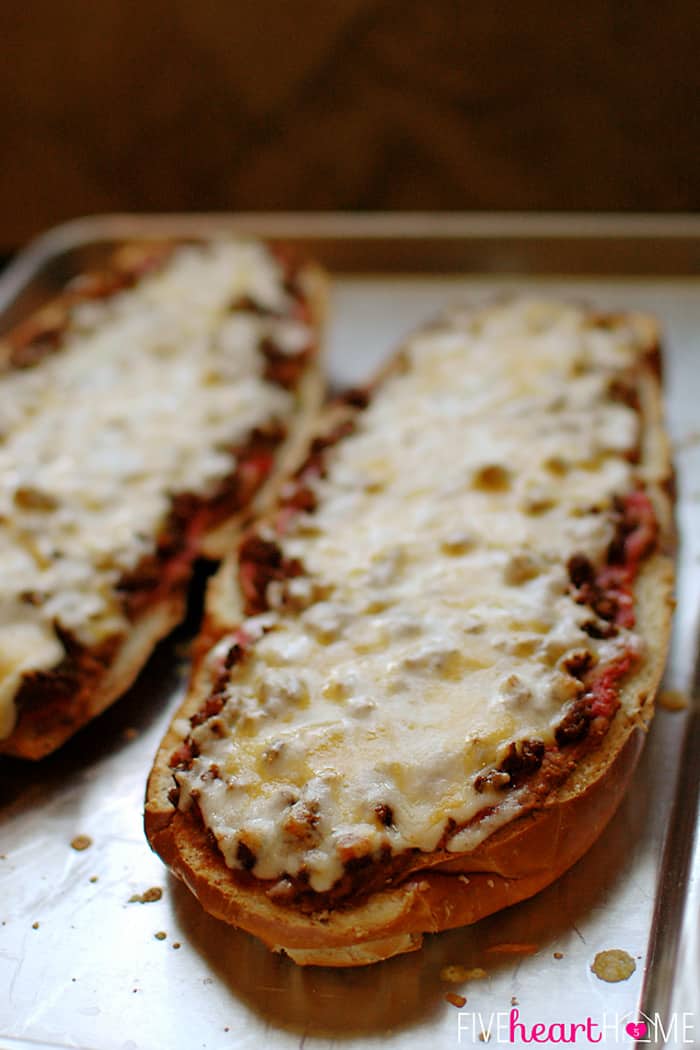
{"x": 432, "y": 623}
{"x": 147, "y": 395}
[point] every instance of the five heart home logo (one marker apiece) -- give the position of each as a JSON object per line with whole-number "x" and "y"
{"x": 637, "y": 1029}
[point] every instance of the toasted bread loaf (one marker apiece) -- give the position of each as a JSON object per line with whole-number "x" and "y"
{"x": 145, "y": 412}
{"x": 424, "y": 680}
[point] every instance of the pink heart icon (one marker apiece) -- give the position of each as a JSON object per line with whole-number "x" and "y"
{"x": 637, "y": 1029}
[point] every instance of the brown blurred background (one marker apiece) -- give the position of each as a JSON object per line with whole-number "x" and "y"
{"x": 345, "y": 104}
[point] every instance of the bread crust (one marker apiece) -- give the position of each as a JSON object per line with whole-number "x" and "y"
{"x": 38, "y": 731}
{"x": 515, "y": 861}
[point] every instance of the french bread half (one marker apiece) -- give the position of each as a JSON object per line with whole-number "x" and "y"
{"x": 425, "y": 678}
{"x": 145, "y": 411}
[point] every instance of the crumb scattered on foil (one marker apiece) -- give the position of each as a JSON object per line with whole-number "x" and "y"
{"x": 613, "y": 965}
{"x": 688, "y": 440}
{"x": 35, "y": 925}
{"x": 456, "y": 1000}
{"x": 81, "y": 842}
{"x": 558, "y": 955}
{"x": 161, "y": 935}
{"x": 153, "y": 894}
{"x": 176, "y": 944}
{"x": 457, "y": 974}
{"x": 514, "y": 1001}
{"x": 484, "y": 1037}
{"x": 673, "y": 700}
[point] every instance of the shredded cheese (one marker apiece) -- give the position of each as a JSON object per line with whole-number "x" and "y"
{"x": 148, "y": 393}
{"x": 439, "y": 548}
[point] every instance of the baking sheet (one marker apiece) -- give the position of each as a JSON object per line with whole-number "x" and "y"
{"x": 80, "y": 964}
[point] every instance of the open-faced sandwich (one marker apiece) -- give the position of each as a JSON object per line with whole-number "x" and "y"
{"x": 140, "y": 415}
{"x": 424, "y": 679}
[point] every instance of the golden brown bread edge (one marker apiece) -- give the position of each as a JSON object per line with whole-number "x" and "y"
{"x": 36, "y": 733}
{"x": 514, "y": 862}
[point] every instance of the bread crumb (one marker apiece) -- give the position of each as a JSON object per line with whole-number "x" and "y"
{"x": 456, "y": 1000}
{"x": 484, "y": 1037}
{"x": 687, "y": 440}
{"x": 514, "y": 1001}
{"x": 35, "y": 925}
{"x": 673, "y": 700}
{"x": 613, "y": 965}
{"x": 456, "y": 974}
{"x": 176, "y": 944}
{"x": 464, "y": 879}
{"x": 513, "y": 949}
{"x": 161, "y": 935}
{"x": 81, "y": 842}
{"x": 94, "y": 878}
{"x": 154, "y": 894}
{"x": 558, "y": 955}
